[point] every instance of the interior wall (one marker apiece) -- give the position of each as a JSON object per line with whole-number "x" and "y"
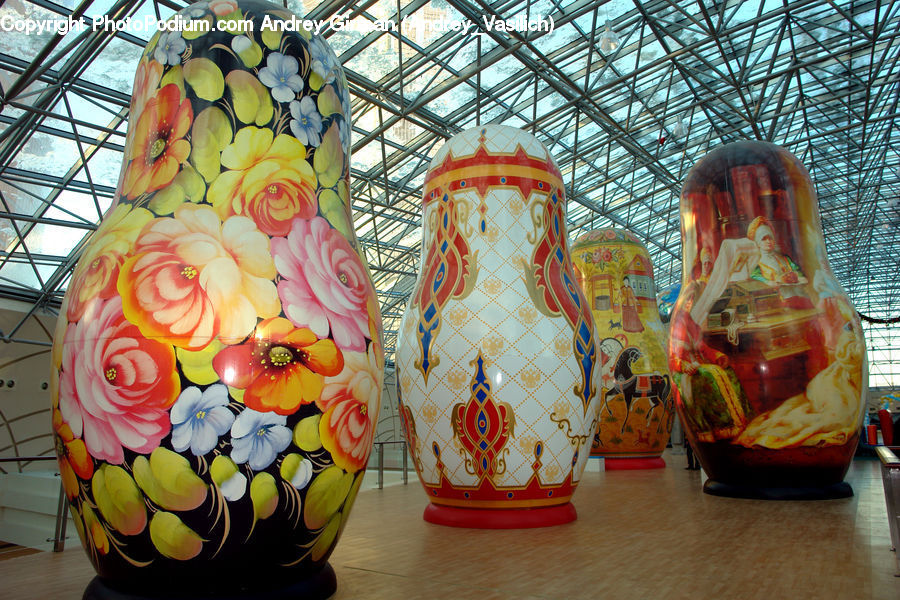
{"x": 25, "y": 419}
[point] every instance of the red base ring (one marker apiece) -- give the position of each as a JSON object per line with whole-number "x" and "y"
{"x": 629, "y": 464}
{"x": 500, "y": 518}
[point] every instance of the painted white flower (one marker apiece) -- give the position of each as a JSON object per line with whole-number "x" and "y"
{"x": 198, "y": 10}
{"x": 169, "y": 48}
{"x": 199, "y": 418}
{"x": 306, "y": 124}
{"x": 324, "y": 62}
{"x": 297, "y": 470}
{"x": 258, "y": 437}
{"x": 228, "y": 477}
{"x": 344, "y": 131}
{"x": 281, "y": 74}
{"x": 240, "y": 43}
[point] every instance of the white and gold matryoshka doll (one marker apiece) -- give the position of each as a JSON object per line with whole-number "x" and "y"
{"x": 765, "y": 347}
{"x": 497, "y": 356}
{"x": 615, "y": 272}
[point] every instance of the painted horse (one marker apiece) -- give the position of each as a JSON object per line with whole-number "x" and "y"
{"x": 655, "y": 387}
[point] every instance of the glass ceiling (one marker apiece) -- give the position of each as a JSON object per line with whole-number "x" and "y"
{"x": 626, "y": 95}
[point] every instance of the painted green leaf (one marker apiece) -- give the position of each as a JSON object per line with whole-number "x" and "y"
{"x": 326, "y": 538}
{"x": 329, "y": 102}
{"x": 197, "y": 366}
{"x": 222, "y": 469}
{"x": 325, "y": 495}
{"x": 166, "y": 200}
{"x": 332, "y": 208}
{"x": 226, "y": 474}
{"x": 119, "y": 499}
{"x": 187, "y": 185}
{"x": 351, "y": 498}
{"x": 197, "y": 29}
{"x": 205, "y": 78}
{"x": 264, "y": 494}
{"x": 306, "y": 434}
{"x": 191, "y": 182}
{"x": 296, "y": 470}
{"x": 328, "y": 160}
{"x": 169, "y": 481}
{"x": 250, "y": 98}
{"x": 249, "y": 51}
{"x": 232, "y": 22}
{"x": 271, "y": 38}
{"x": 173, "y": 538}
{"x": 315, "y": 81}
{"x": 173, "y": 75}
{"x": 210, "y": 135}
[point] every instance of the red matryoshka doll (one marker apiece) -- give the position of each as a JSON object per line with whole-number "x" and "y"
{"x": 765, "y": 347}
{"x": 218, "y": 358}
{"x": 496, "y": 359}
{"x": 615, "y": 272}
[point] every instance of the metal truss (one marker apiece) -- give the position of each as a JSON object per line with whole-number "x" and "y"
{"x": 627, "y": 96}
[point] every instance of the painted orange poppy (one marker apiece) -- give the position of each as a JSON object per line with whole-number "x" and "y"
{"x": 159, "y": 147}
{"x": 74, "y": 460}
{"x": 280, "y": 368}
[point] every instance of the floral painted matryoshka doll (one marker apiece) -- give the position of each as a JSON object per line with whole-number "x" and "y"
{"x": 765, "y": 347}
{"x": 497, "y": 356}
{"x": 218, "y": 359}
{"x": 614, "y": 269}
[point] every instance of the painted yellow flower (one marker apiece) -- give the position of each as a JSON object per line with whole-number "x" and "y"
{"x": 350, "y": 402}
{"x": 96, "y": 273}
{"x": 194, "y": 277}
{"x": 268, "y": 179}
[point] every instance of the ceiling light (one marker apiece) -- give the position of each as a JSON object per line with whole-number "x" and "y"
{"x": 609, "y": 39}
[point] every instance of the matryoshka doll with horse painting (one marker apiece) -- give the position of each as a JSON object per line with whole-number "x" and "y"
{"x": 615, "y": 272}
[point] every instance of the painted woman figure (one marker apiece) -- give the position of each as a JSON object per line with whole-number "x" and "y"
{"x": 774, "y": 267}
{"x": 701, "y": 370}
{"x": 630, "y": 319}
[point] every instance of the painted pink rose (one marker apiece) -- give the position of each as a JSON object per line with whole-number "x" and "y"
{"x": 324, "y": 286}
{"x": 350, "y": 403}
{"x": 116, "y": 386}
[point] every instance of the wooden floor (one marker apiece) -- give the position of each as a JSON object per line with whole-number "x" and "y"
{"x": 640, "y": 534}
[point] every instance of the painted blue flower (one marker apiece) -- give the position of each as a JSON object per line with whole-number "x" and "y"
{"x": 280, "y": 74}
{"x": 199, "y": 418}
{"x": 344, "y": 93}
{"x": 323, "y": 61}
{"x": 169, "y": 48}
{"x": 258, "y": 437}
{"x": 306, "y": 124}
{"x": 344, "y": 131}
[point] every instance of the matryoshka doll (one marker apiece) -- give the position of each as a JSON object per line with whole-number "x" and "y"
{"x": 218, "y": 358}
{"x": 637, "y": 399}
{"x": 765, "y": 347}
{"x": 496, "y": 359}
